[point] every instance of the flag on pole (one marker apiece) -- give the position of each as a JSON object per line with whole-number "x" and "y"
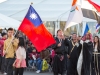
{"x": 33, "y": 27}
{"x": 96, "y": 6}
{"x": 98, "y": 28}
{"x": 75, "y": 16}
{"x": 85, "y": 29}
{"x": 89, "y": 11}
{"x": 99, "y": 31}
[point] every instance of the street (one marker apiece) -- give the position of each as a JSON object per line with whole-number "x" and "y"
{"x": 33, "y": 73}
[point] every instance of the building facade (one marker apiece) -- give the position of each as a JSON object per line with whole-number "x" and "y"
{"x": 53, "y": 26}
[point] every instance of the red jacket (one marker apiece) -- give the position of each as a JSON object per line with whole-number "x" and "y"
{"x": 33, "y": 53}
{"x": 1, "y": 46}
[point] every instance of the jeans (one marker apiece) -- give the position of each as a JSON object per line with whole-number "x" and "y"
{"x": 31, "y": 62}
{"x": 3, "y": 65}
{"x": 8, "y": 65}
{"x": 39, "y": 64}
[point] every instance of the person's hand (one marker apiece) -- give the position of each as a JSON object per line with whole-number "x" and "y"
{"x": 81, "y": 42}
{"x": 59, "y": 44}
{"x": 13, "y": 64}
{"x": 13, "y": 41}
{"x": 63, "y": 37}
{"x": 18, "y": 65}
{"x": 68, "y": 56}
{"x": 44, "y": 59}
{"x": 4, "y": 52}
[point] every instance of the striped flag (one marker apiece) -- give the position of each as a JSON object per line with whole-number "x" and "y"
{"x": 96, "y": 6}
{"x": 98, "y": 28}
{"x": 75, "y": 16}
{"x": 85, "y": 29}
{"x": 99, "y": 31}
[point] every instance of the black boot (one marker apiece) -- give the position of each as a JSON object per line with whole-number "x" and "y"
{"x": 64, "y": 73}
{"x": 55, "y": 73}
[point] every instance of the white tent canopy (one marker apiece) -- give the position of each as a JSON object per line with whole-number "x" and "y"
{"x": 49, "y": 10}
{"x": 8, "y": 22}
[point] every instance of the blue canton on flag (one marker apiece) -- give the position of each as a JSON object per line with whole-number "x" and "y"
{"x": 33, "y": 16}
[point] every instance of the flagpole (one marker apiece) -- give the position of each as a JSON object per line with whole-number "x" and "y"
{"x": 77, "y": 30}
{"x": 59, "y": 17}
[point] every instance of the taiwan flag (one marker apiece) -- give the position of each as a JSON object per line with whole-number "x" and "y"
{"x": 33, "y": 27}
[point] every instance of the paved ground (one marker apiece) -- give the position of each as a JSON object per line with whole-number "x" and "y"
{"x": 33, "y": 73}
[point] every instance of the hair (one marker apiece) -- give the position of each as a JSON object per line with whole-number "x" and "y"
{"x": 74, "y": 33}
{"x": 3, "y": 34}
{"x": 98, "y": 47}
{"x": 21, "y": 42}
{"x": 10, "y": 29}
{"x": 79, "y": 36}
{"x": 58, "y": 30}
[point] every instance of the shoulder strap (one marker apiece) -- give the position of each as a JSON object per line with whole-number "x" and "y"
{"x": 72, "y": 48}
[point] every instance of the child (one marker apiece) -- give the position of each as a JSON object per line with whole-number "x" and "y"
{"x": 33, "y": 56}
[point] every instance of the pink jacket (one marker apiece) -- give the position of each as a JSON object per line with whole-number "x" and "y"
{"x": 1, "y": 46}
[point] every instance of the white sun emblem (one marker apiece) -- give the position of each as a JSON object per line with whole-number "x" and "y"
{"x": 33, "y": 16}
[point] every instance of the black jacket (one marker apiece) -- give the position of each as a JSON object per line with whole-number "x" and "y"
{"x": 63, "y": 49}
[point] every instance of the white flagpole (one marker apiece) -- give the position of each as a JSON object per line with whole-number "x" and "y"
{"x": 77, "y": 30}
{"x": 83, "y": 27}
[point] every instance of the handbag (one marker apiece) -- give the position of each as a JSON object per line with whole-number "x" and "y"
{"x": 44, "y": 65}
{"x": 22, "y": 64}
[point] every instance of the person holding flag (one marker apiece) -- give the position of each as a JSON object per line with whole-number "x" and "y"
{"x": 60, "y": 58}
{"x": 75, "y": 17}
{"x": 85, "y": 57}
{"x": 64, "y": 49}
{"x": 10, "y": 46}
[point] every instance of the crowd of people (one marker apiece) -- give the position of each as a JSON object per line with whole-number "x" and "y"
{"x": 73, "y": 55}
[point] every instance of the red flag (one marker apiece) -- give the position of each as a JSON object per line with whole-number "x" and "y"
{"x": 33, "y": 27}
{"x": 96, "y": 6}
